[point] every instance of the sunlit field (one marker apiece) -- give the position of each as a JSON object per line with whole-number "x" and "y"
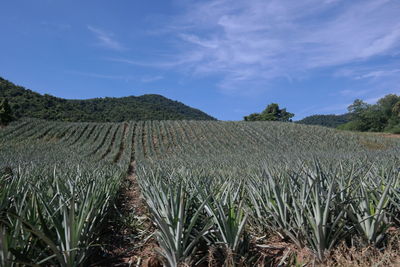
{"x": 216, "y": 193}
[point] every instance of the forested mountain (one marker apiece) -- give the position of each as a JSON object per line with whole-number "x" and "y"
{"x": 26, "y": 103}
{"x": 332, "y": 121}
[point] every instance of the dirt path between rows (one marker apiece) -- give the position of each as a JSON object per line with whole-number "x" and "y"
{"x": 128, "y": 240}
{"x": 391, "y": 135}
{"x": 380, "y": 134}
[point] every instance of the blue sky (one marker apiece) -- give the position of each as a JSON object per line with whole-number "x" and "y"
{"x": 227, "y": 58}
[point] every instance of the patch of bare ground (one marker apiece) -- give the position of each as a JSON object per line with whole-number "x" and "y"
{"x": 390, "y": 135}
{"x": 276, "y": 251}
{"x": 128, "y": 240}
{"x": 344, "y": 256}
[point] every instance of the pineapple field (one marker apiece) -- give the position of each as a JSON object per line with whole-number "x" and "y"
{"x": 196, "y": 193}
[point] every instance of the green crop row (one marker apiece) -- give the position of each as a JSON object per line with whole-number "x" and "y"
{"x": 211, "y": 188}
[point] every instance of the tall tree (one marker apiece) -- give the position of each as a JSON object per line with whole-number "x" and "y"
{"x": 5, "y": 112}
{"x": 357, "y": 108}
{"x": 271, "y": 113}
{"x": 396, "y": 109}
{"x": 387, "y": 103}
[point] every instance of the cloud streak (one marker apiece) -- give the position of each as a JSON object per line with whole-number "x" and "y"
{"x": 106, "y": 39}
{"x": 126, "y": 78}
{"x": 255, "y": 41}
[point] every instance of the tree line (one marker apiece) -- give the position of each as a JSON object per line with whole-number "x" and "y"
{"x": 17, "y": 102}
{"x": 384, "y": 116}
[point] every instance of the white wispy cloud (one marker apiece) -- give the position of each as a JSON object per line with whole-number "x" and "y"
{"x": 106, "y": 39}
{"x": 379, "y": 73}
{"x": 150, "y": 79}
{"x": 354, "y": 93}
{"x": 102, "y": 76}
{"x": 254, "y": 41}
{"x": 126, "y": 78}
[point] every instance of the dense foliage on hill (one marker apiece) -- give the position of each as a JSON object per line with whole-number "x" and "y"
{"x": 271, "y": 113}
{"x": 26, "y": 103}
{"x": 332, "y": 121}
{"x": 384, "y": 116}
{"x": 5, "y": 112}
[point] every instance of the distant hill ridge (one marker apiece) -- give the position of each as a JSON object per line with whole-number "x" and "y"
{"x": 331, "y": 120}
{"x": 27, "y": 103}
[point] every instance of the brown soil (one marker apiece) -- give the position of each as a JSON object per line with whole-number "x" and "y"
{"x": 276, "y": 251}
{"x": 129, "y": 241}
{"x": 390, "y": 135}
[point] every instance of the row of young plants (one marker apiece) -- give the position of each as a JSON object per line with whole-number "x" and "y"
{"x": 171, "y": 137}
{"x": 321, "y": 205}
{"x": 53, "y": 201}
{"x": 211, "y": 189}
{"x": 53, "y": 217}
{"x": 218, "y": 204}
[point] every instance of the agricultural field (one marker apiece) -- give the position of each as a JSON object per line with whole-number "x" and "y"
{"x": 196, "y": 193}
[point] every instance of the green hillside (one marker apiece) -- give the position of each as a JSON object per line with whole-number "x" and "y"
{"x": 27, "y": 103}
{"x": 331, "y": 120}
